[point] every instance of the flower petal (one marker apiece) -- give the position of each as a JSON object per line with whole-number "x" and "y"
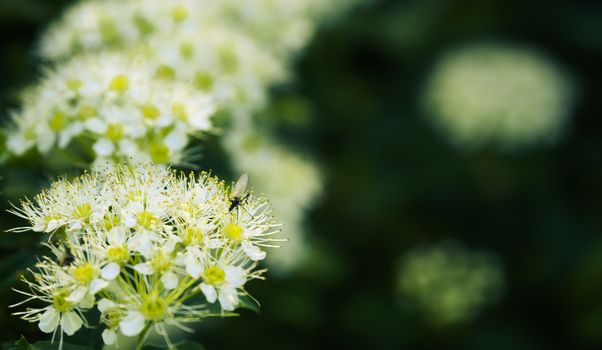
{"x": 253, "y": 251}
{"x": 109, "y": 336}
{"x": 49, "y": 320}
{"x": 70, "y": 322}
{"x": 132, "y": 324}
{"x": 87, "y": 301}
{"x": 144, "y": 268}
{"x": 228, "y": 298}
{"x": 97, "y": 284}
{"x": 169, "y": 280}
{"x": 105, "y": 304}
{"x": 210, "y": 292}
{"x": 110, "y": 271}
{"x": 77, "y": 295}
{"x": 103, "y": 147}
{"x": 235, "y": 275}
{"x": 214, "y": 243}
{"x": 193, "y": 266}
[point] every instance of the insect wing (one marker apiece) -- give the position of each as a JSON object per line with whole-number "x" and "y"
{"x": 240, "y": 186}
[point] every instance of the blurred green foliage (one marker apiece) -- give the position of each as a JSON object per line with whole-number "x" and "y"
{"x": 394, "y": 183}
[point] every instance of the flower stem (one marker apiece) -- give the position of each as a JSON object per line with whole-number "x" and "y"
{"x": 142, "y": 336}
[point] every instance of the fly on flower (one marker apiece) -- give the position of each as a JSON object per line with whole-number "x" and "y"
{"x": 239, "y": 196}
{"x": 66, "y": 258}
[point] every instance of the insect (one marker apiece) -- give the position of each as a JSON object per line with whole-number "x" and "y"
{"x": 238, "y": 196}
{"x": 66, "y": 258}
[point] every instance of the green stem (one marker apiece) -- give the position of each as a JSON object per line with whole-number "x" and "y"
{"x": 142, "y": 336}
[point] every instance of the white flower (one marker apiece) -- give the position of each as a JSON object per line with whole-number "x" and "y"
{"x": 498, "y": 95}
{"x": 132, "y": 324}
{"x": 160, "y": 261}
{"x": 94, "y": 24}
{"x": 109, "y": 336}
{"x": 85, "y": 274}
{"x": 292, "y": 182}
{"x": 50, "y": 286}
{"x": 220, "y": 62}
{"x": 69, "y": 321}
{"x": 448, "y": 282}
{"x": 115, "y": 100}
{"x": 222, "y": 284}
{"x": 151, "y": 239}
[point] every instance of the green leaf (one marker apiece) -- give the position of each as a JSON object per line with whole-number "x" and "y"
{"x": 246, "y": 302}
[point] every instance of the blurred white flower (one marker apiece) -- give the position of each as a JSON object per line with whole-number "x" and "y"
{"x": 282, "y": 27}
{"x": 190, "y": 41}
{"x": 113, "y": 101}
{"x": 498, "y": 95}
{"x": 448, "y": 282}
{"x": 92, "y": 25}
{"x": 292, "y": 182}
{"x": 218, "y": 61}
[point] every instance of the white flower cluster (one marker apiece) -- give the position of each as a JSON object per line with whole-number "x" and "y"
{"x": 148, "y": 247}
{"x": 260, "y": 17}
{"x": 218, "y": 61}
{"x": 292, "y": 182}
{"x": 183, "y": 40}
{"x": 449, "y": 283}
{"x": 498, "y": 95}
{"x": 282, "y": 27}
{"x": 188, "y": 54}
{"x": 94, "y": 25}
{"x": 112, "y": 103}
{"x": 299, "y": 20}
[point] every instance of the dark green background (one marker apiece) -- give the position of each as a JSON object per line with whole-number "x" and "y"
{"x": 394, "y": 183}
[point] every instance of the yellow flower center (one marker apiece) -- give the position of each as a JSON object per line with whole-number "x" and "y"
{"x": 179, "y": 110}
{"x": 29, "y": 134}
{"x": 84, "y": 274}
{"x": 154, "y": 307}
{"x": 112, "y": 317}
{"x": 186, "y": 50}
{"x": 51, "y": 217}
{"x": 149, "y": 111}
{"x": 233, "y": 231}
{"x": 179, "y": 13}
{"x": 58, "y": 121}
{"x": 74, "y": 84}
{"x": 111, "y": 221}
{"x": 82, "y": 211}
{"x": 228, "y": 59}
{"x": 193, "y": 235}
{"x": 87, "y": 112}
{"x": 165, "y": 72}
{"x": 115, "y": 132}
{"x": 108, "y": 31}
{"x": 159, "y": 153}
{"x": 118, "y": 253}
{"x": 119, "y": 83}
{"x": 135, "y": 196}
{"x": 215, "y": 276}
{"x": 147, "y": 220}
{"x": 203, "y": 81}
{"x": 144, "y": 25}
{"x": 60, "y": 302}
{"x": 188, "y": 207}
{"x": 161, "y": 262}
